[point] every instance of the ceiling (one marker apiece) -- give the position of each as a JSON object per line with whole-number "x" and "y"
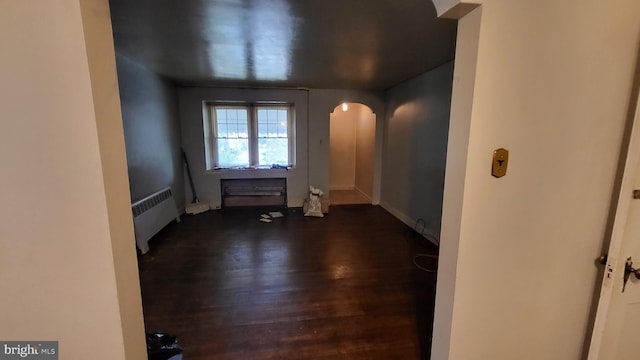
{"x": 348, "y": 44}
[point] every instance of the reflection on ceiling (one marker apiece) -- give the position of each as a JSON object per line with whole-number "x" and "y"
{"x": 252, "y": 44}
{"x": 355, "y": 44}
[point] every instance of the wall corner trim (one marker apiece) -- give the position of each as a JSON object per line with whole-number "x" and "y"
{"x": 458, "y": 11}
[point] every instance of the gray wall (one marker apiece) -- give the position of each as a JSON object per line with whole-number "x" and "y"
{"x": 207, "y": 182}
{"x": 151, "y": 131}
{"x": 365, "y": 150}
{"x": 415, "y": 147}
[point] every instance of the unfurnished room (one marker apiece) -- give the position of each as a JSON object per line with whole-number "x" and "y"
{"x": 263, "y": 100}
{"x": 276, "y": 179}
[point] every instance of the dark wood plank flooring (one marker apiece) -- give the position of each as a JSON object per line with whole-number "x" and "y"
{"x": 339, "y": 287}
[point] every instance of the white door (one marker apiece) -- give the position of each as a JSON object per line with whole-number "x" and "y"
{"x": 617, "y": 325}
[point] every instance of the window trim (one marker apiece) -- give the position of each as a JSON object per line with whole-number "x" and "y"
{"x": 210, "y": 133}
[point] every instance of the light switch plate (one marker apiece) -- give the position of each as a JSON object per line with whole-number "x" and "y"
{"x": 500, "y": 162}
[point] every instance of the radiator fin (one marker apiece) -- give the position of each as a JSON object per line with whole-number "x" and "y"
{"x": 147, "y": 203}
{"x": 151, "y": 214}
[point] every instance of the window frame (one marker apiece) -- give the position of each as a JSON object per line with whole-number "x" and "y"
{"x": 211, "y": 136}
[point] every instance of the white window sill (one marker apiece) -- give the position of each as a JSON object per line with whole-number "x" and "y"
{"x": 250, "y": 169}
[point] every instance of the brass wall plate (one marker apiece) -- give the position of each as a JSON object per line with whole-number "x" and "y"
{"x": 500, "y": 162}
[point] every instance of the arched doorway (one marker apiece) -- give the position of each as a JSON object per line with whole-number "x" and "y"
{"x": 352, "y": 140}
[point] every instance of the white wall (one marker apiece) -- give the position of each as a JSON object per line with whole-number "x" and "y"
{"x": 342, "y": 157}
{"x": 552, "y": 84}
{"x": 453, "y": 197}
{"x": 365, "y": 149}
{"x": 415, "y": 147}
{"x": 321, "y": 103}
{"x": 67, "y": 253}
{"x": 207, "y": 182}
{"x": 151, "y": 131}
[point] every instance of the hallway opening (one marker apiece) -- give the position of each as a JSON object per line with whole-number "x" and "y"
{"x": 351, "y": 154}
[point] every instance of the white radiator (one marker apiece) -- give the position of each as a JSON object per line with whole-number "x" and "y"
{"x": 151, "y": 214}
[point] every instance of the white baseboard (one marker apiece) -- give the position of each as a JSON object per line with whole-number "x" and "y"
{"x": 341, "y": 188}
{"x": 363, "y": 194}
{"x": 408, "y": 221}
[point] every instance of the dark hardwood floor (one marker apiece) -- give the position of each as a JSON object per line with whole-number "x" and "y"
{"x": 339, "y": 287}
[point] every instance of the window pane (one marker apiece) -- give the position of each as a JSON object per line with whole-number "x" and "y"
{"x": 262, "y": 130}
{"x": 222, "y": 130}
{"x": 232, "y": 130}
{"x": 242, "y": 131}
{"x": 282, "y": 115}
{"x": 272, "y": 123}
{"x": 273, "y": 130}
{"x": 273, "y": 151}
{"x": 231, "y": 123}
{"x": 221, "y": 115}
{"x": 282, "y": 123}
{"x": 233, "y": 152}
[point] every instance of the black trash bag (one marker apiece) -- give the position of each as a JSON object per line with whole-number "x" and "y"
{"x": 162, "y": 346}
